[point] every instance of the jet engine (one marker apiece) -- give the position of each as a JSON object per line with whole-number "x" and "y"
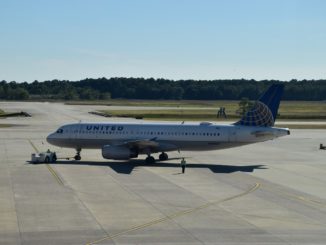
{"x": 118, "y": 152}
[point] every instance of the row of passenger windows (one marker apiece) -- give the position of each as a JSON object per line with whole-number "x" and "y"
{"x": 147, "y": 133}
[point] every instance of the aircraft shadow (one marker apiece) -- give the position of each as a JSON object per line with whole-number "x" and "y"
{"x": 128, "y": 167}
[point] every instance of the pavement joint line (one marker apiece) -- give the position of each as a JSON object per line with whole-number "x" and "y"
{"x": 52, "y": 171}
{"x": 175, "y": 215}
{"x": 299, "y": 197}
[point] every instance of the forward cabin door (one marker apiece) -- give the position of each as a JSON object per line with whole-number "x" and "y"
{"x": 76, "y": 132}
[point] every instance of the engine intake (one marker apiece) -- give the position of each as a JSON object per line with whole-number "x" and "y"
{"x": 118, "y": 152}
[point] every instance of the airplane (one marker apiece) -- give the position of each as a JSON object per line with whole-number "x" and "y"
{"x": 123, "y": 141}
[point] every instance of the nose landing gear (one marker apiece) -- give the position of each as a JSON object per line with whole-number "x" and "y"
{"x": 77, "y": 156}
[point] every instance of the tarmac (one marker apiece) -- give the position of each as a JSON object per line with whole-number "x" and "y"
{"x": 266, "y": 193}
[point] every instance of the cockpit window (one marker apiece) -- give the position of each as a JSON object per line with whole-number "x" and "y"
{"x": 60, "y": 131}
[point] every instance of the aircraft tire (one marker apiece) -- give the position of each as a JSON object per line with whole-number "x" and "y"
{"x": 150, "y": 160}
{"x": 163, "y": 156}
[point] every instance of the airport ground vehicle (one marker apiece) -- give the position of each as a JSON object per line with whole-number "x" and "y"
{"x": 43, "y": 157}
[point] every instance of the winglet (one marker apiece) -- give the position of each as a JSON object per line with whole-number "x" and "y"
{"x": 264, "y": 111}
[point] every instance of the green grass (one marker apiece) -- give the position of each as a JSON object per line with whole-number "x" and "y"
{"x": 179, "y": 114}
{"x": 5, "y": 125}
{"x": 288, "y": 109}
{"x": 314, "y": 110}
{"x": 158, "y": 103}
{"x": 304, "y": 110}
{"x": 301, "y": 126}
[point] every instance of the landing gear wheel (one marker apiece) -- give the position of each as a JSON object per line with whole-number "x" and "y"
{"x": 150, "y": 160}
{"x": 163, "y": 156}
{"x": 77, "y": 157}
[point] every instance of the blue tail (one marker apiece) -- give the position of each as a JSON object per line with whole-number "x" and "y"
{"x": 264, "y": 111}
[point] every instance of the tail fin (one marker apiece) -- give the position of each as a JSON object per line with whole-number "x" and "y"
{"x": 264, "y": 111}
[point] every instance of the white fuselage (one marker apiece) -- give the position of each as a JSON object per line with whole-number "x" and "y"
{"x": 170, "y": 136}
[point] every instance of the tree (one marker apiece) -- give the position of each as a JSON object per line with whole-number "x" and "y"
{"x": 105, "y": 96}
{"x": 2, "y": 93}
{"x": 71, "y": 95}
{"x": 88, "y": 94}
{"x": 244, "y": 106}
{"x": 21, "y": 94}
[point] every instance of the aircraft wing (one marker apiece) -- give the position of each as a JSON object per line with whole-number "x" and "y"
{"x": 141, "y": 144}
{"x": 150, "y": 145}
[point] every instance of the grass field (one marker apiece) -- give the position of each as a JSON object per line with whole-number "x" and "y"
{"x": 179, "y": 114}
{"x": 5, "y": 125}
{"x": 300, "y": 126}
{"x": 207, "y": 110}
{"x": 160, "y": 103}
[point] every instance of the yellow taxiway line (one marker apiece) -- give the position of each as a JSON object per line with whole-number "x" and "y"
{"x": 296, "y": 197}
{"x": 52, "y": 171}
{"x": 175, "y": 215}
{"x": 55, "y": 175}
{"x": 34, "y": 147}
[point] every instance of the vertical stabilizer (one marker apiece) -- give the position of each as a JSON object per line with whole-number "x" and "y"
{"x": 264, "y": 111}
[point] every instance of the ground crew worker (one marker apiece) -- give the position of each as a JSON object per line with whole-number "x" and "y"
{"x": 183, "y": 165}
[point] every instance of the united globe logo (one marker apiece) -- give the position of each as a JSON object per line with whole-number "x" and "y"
{"x": 259, "y": 115}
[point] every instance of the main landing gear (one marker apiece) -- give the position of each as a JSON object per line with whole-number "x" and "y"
{"x": 151, "y": 160}
{"x": 163, "y": 156}
{"x": 77, "y": 156}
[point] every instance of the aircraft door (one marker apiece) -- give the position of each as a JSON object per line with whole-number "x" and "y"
{"x": 75, "y": 132}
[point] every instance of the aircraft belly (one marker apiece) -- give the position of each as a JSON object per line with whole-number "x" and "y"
{"x": 82, "y": 143}
{"x": 163, "y": 145}
{"x": 204, "y": 145}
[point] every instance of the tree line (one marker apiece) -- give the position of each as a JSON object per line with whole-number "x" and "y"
{"x": 141, "y": 88}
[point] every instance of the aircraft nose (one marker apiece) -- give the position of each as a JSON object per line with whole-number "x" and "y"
{"x": 50, "y": 139}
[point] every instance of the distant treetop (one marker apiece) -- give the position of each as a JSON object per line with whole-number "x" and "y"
{"x": 141, "y": 88}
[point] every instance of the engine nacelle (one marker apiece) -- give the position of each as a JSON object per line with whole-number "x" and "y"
{"x": 118, "y": 152}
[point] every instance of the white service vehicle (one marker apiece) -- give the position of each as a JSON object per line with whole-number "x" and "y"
{"x": 44, "y": 157}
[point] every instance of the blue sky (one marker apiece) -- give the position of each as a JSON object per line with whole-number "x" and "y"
{"x": 175, "y": 39}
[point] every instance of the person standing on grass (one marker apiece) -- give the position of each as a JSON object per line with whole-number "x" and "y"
{"x": 183, "y": 165}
